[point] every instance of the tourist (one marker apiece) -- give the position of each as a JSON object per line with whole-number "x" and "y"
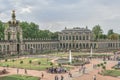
{"x": 25, "y": 71}
{"x": 94, "y": 77}
{"x": 80, "y": 69}
{"x": 70, "y": 74}
{"x": 56, "y": 77}
{"x": 84, "y": 68}
{"x": 42, "y": 75}
{"x": 62, "y": 78}
{"x": 17, "y": 70}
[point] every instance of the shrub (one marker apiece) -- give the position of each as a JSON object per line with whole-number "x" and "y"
{"x": 21, "y": 62}
{"x": 39, "y": 63}
{"x": 105, "y": 62}
{"x": 6, "y": 60}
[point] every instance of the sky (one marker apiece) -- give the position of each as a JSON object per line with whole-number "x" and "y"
{"x": 55, "y": 15}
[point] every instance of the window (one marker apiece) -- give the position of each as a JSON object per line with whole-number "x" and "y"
{"x": 79, "y": 37}
{"x": 86, "y": 37}
{"x": 66, "y": 37}
{"x": 63, "y": 38}
{"x": 60, "y": 37}
{"x": 73, "y": 37}
{"x": 69, "y": 37}
{"x": 83, "y": 37}
{"x": 76, "y": 37}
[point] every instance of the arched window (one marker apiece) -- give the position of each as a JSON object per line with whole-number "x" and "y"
{"x": 69, "y": 37}
{"x": 76, "y": 37}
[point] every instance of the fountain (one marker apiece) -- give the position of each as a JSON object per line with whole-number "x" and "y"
{"x": 91, "y": 52}
{"x": 70, "y": 57}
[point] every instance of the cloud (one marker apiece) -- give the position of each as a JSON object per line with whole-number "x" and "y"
{"x": 27, "y": 9}
{"x": 56, "y": 14}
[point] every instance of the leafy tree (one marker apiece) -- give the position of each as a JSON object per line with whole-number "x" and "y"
{"x": 114, "y": 36}
{"x": 103, "y": 36}
{"x": 110, "y": 32}
{"x": 21, "y": 62}
{"x": 97, "y": 31}
{"x": 2, "y": 28}
{"x": 13, "y": 62}
{"x": 39, "y": 63}
{"x": 30, "y": 62}
{"x": 32, "y": 31}
{"x": 6, "y": 60}
{"x": 103, "y": 67}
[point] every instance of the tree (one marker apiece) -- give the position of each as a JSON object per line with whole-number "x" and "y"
{"x": 13, "y": 62}
{"x": 30, "y": 62}
{"x": 97, "y": 31}
{"x": 103, "y": 67}
{"x": 103, "y": 36}
{"x": 51, "y": 64}
{"x": 6, "y": 60}
{"x": 32, "y": 31}
{"x": 2, "y": 28}
{"x": 110, "y": 32}
{"x": 39, "y": 63}
{"x": 21, "y": 62}
{"x": 114, "y": 36}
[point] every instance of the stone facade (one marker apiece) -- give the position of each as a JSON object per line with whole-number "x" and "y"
{"x": 81, "y": 39}
{"x": 76, "y": 39}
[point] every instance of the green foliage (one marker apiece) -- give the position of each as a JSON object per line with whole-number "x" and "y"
{"x": 30, "y": 61}
{"x": 6, "y": 60}
{"x": 24, "y": 63}
{"x": 114, "y": 36}
{"x": 59, "y": 65}
{"x": 7, "y": 65}
{"x": 97, "y": 31}
{"x": 2, "y": 28}
{"x": 114, "y": 73}
{"x": 18, "y": 77}
{"x": 13, "y": 60}
{"x": 98, "y": 65}
{"x": 21, "y": 62}
{"x": 110, "y": 32}
{"x": 39, "y": 63}
{"x": 103, "y": 67}
{"x": 105, "y": 62}
{"x": 101, "y": 64}
{"x": 51, "y": 64}
{"x": 31, "y": 31}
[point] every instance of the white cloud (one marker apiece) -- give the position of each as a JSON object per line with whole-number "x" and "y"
{"x": 56, "y": 14}
{"x": 27, "y": 9}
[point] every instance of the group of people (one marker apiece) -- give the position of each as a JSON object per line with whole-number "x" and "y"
{"x": 56, "y": 70}
{"x": 25, "y": 70}
{"x": 82, "y": 69}
{"x": 57, "y": 78}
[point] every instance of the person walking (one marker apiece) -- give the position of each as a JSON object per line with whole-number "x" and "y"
{"x": 25, "y": 71}
{"x": 62, "y": 78}
{"x": 94, "y": 77}
{"x": 56, "y": 77}
{"x": 17, "y": 70}
{"x": 70, "y": 74}
{"x": 84, "y": 69}
{"x": 42, "y": 75}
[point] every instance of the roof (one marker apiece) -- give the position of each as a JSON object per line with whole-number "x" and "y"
{"x": 76, "y": 29}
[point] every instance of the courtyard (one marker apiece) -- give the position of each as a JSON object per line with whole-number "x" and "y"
{"x": 37, "y": 66}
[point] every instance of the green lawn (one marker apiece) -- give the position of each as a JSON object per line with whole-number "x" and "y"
{"x": 114, "y": 73}
{"x": 18, "y": 77}
{"x": 44, "y": 63}
{"x": 66, "y": 54}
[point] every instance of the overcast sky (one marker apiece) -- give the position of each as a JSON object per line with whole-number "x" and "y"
{"x": 56, "y": 14}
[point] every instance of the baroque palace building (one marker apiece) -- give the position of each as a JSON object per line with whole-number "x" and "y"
{"x": 76, "y": 39}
